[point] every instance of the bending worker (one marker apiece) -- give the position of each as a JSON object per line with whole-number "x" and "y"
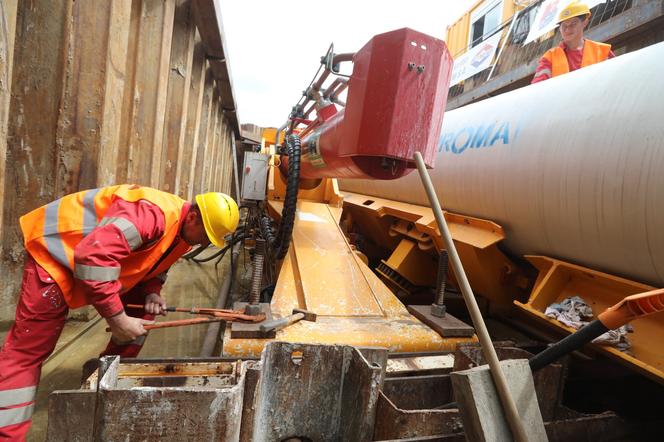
{"x": 574, "y": 52}
{"x": 106, "y": 247}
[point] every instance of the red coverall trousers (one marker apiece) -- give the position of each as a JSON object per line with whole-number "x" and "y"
{"x": 40, "y": 317}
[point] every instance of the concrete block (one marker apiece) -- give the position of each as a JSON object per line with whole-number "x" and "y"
{"x": 481, "y": 411}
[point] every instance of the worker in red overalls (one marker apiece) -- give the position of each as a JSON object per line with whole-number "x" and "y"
{"x": 107, "y": 247}
{"x": 574, "y": 52}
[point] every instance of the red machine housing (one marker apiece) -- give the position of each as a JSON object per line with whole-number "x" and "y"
{"x": 395, "y": 105}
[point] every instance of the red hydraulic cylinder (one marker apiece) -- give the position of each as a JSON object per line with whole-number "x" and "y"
{"x": 395, "y": 105}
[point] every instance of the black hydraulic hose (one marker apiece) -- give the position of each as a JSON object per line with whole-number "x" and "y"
{"x": 266, "y": 230}
{"x": 220, "y": 252}
{"x": 285, "y": 231}
{"x": 211, "y": 257}
{"x": 194, "y": 253}
{"x": 197, "y": 251}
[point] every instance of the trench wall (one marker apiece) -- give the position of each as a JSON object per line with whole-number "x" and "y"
{"x": 94, "y": 93}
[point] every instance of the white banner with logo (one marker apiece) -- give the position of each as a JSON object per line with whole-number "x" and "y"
{"x": 475, "y": 60}
{"x": 547, "y": 16}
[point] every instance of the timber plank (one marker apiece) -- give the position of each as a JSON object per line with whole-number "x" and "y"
{"x": 177, "y": 101}
{"x": 186, "y": 167}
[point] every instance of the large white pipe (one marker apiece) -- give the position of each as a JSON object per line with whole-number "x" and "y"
{"x": 572, "y": 167}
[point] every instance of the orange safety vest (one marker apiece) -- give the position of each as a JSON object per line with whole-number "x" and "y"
{"x": 593, "y": 52}
{"x": 52, "y": 232}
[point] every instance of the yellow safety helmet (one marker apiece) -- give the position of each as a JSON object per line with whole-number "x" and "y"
{"x": 220, "y": 215}
{"x": 574, "y": 9}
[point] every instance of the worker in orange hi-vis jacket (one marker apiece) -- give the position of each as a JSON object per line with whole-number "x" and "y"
{"x": 574, "y": 52}
{"x": 107, "y": 247}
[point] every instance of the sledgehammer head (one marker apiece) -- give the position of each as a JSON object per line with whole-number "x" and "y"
{"x": 308, "y": 316}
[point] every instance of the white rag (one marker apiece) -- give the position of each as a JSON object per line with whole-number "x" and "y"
{"x": 575, "y": 313}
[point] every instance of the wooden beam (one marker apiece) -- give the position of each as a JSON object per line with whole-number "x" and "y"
{"x": 31, "y": 129}
{"x": 144, "y": 107}
{"x": 228, "y": 172}
{"x": 85, "y": 89}
{"x": 207, "y": 14}
{"x": 225, "y": 148}
{"x": 221, "y": 143}
{"x": 220, "y": 146}
{"x": 187, "y": 165}
{"x": 124, "y": 161}
{"x": 204, "y": 127}
{"x": 221, "y": 71}
{"x": 7, "y": 32}
{"x": 224, "y": 183}
{"x": 164, "y": 14}
{"x": 208, "y": 21}
{"x": 177, "y": 101}
{"x": 115, "y": 79}
{"x": 210, "y": 142}
{"x": 210, "y": 165}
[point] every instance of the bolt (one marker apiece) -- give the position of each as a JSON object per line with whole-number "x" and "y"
{"x": 411, "y": 66}
{"x": 420, "y": 69}
{"x": 438, "y": 308}
{"x": 252, "y": 309}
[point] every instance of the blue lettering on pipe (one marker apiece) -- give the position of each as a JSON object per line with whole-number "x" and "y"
{"x": 475, "y": 137}
{"x": 457, "y": 147}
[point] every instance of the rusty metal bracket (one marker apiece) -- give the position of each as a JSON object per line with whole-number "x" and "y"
{"x": 317, "y": 392}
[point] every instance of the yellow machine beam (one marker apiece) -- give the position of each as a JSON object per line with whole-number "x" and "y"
{"x": 323, "y": 274}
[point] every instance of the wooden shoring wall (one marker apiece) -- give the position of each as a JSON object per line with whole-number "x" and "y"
{"x": 94, "y": 93}
{"x": 7, "y": 31}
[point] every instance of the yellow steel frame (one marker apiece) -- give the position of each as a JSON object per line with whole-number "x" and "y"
{"x": 322, "y": 273}
{"x": 558, "y": 280}
{"x": 490, "y": 272}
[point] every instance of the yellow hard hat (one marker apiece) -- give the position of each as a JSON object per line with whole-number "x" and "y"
{"x": 574, "y": 9}
{"x": 220, "y": 215}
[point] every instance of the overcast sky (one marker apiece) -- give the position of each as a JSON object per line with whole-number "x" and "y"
{"x": 274, "y": 46}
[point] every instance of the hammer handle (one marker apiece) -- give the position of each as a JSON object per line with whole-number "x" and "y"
{"x": 278, "y": 324}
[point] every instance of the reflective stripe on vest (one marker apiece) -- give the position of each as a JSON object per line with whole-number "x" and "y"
{"x": 96, "y": 273}
{"x": 52, "y": 236}
{"x": 89, "y": 211}
{"x": 128, "y": 229}
{"x": 593, "y": 53}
